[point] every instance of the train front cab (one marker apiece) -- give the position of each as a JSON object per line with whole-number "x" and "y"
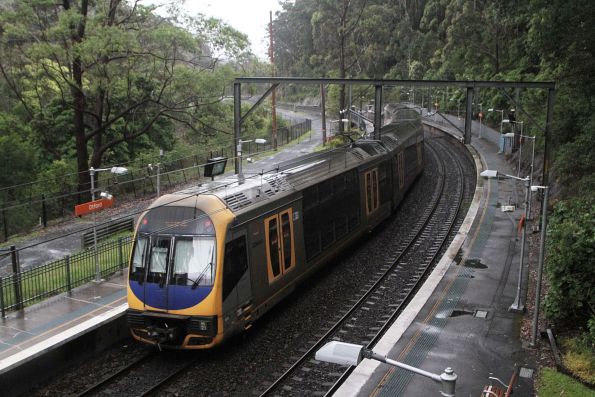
{"x": 176, "y": 282}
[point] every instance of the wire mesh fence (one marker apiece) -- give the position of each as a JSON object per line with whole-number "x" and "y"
{"x": 22, "y": 207}
{"x": 37, "y": 283}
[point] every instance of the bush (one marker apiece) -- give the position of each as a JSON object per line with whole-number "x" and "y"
{"x": 571, "y": 264}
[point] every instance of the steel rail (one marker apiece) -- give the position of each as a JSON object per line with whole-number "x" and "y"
{"x": 372, "y": 289}
{"x": 411, "y": 292}
{"x": 116, "y": 375}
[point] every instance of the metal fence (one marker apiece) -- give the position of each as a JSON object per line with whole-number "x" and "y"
{"x": 25, "y": 206}
{"x": 35, "y": 284}
{"x": 23, "y": 288}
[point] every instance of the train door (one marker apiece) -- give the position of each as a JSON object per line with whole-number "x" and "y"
{"x": 401, "y": 168}
{"x": 156, "y": 285}
{"x": 372, "y": 196}
{"x": 237, "y": 289}
{"x": 280, "y": 244}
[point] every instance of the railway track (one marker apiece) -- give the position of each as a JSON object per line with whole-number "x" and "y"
{"x": 144, "y": 376}
{"x": 398, "y": 278}
{"x": 252, "y": 363}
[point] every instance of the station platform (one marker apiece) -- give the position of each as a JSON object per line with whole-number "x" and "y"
{"x": 38, "y": 329}
{"x": 460, "y": 319}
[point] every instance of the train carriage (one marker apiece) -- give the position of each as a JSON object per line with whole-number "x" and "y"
{"x": 208, "y": 261}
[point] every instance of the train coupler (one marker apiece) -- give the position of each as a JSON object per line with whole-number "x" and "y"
{"x": 161, "y": 334}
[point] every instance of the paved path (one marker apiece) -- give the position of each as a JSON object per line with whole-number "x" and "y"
{"x": 58, "y": 241}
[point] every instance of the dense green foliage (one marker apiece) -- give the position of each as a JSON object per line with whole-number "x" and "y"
{"x": 571, "y": 261}
{"x": 536, "y": 40}
{"x": 93, "y": 82}
{"x": 97, "y": 82}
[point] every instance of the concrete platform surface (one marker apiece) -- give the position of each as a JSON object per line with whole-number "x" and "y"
{"x": 27, "y": 334}
{"x": 461, "y": 318}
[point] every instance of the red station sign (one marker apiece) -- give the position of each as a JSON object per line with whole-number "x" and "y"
{"x": 93, "y": 206}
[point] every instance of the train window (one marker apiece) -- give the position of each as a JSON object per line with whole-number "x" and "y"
{"x": 341, "y": 225}
{"x": 338, "y": 184}
{"x": 372, "y": 198}
{"x": 137, "y": 269}
{"x": 375, "y": 188}
{"x": 325, "y": 191}
{"x": 235, "y": 264}
{"x": 287, "y": 233}
{"x": 310, "y": 197}
{"x": 158, "y": 260}
{"x": 368, "y": 193}
{"x": 194, "y": 261}
{"x": 382, "y": 174}
{"x": 312, "y": 243}
{"x": 279, "y": 244}
{"x": 328, "y": 234}
{"x": 273, "y": 247}
{"x": 401, "y": 167}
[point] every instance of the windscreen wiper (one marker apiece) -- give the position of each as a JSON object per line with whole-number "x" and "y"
{"x": 202, "y": 275}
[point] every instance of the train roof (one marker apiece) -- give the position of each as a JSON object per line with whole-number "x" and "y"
{"x": 299, "y": 173}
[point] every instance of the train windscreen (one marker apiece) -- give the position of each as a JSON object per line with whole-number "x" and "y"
{"x": 174, "y": 246}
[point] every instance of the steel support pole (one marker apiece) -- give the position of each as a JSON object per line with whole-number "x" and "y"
{"x": 95, "y": 254}
{"x": 531, "y": 177}
{"x": 547, "y": 132}
{"x": 468, "y": 116}
{"x": 517, "y": 306}
{"x": 16, "y": 277}
{"x": 377, "y": 111}
{"x": 323, "y": 113}
{"x": 540, "y": 267}
{"x": 237, "y": 117}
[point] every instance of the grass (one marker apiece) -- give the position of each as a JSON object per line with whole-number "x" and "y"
{"x": 51, "y": 279}
{"x": 553, "y": 384}
{"x": 579, "y": 358}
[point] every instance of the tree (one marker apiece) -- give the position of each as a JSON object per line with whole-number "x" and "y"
{"x": 118, "y": 69}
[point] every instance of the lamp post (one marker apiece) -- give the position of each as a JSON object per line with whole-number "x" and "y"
{"x": 540, "y": 264}
{"x": 520, "y": 146}
{"x": 501, "y": 141}
{"x": 158, "y": 167}
{"x": 517, "y": 306}
{"x": 239, "y": 150}
{"x": 92, "y": 171}
{"x": 350, "y": 354}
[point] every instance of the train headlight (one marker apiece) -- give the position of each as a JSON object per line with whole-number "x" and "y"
{"x": 203, "y": 325}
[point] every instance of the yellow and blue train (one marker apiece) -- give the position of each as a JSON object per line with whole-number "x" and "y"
{"x": 208, "y": 261}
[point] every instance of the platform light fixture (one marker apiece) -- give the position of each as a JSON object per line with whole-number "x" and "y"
{"x": 92, "y": 171}
{"x": 517, "y": 306}
{"x": 351, "y": 354}
{"x": 258, "y": 141}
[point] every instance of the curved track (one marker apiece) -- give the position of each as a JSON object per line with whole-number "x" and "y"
{"x": 404, "y": 270}
{"x": 260, "y": 361}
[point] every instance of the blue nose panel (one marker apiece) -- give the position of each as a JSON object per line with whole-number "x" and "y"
{"x": 178, "y": 296}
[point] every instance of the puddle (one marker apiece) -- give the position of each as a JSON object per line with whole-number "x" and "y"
{"x": 474, "y": 264}
{"x": 457, "y": 313}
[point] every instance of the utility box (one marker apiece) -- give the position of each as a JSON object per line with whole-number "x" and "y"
{"x": 508, "y": 142}
{"x": 215, "y": 166}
